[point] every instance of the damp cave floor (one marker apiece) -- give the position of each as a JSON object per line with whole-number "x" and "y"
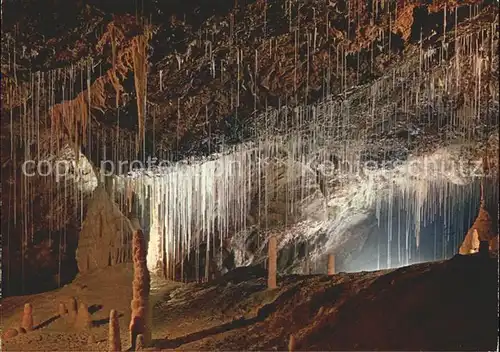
{"x": 448, "y": 305}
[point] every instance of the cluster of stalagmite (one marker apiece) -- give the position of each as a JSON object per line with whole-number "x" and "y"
{"x": 141, "y": 315}
{"x": 26, "y": 324}
{"x": 77, "y": 316}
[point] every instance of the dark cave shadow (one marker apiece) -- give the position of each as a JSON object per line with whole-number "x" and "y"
{"x": 95, "y": 308}
{"x": 103, "y": 321}
{"x": 235, "y": 324}
{"x": 46, "y": 322}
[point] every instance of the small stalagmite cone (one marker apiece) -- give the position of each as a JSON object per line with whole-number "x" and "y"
{"x": 139, "y": 343}
{"x": 21, "y": 330}
{"x": 115, "y": 344}
{"x": 27, "y": 321}
{"x": 331, "y": 264}
{"x": 83, "y": 319}
{"x": 72, "y": 309}
{"x": 291, "y": 343}
{"x": 91, "y": 339}
{"x": 61, "y": 309}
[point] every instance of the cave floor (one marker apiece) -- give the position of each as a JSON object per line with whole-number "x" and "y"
{"x": 449, "y": 305}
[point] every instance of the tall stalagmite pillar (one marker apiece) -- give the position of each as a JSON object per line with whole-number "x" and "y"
{"x": 141, "y": 315}
{"x": 114, "y": 342}
{"x": 271, "y": 278}
{"x": 331, "y": 264}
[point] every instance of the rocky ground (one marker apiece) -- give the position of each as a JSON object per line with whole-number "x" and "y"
{"x": 450, "y": 305}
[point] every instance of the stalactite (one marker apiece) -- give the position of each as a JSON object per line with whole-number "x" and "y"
{"x": 140, "y": 62}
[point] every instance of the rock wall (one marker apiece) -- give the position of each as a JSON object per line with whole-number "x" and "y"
{"x": 106, "y": 234}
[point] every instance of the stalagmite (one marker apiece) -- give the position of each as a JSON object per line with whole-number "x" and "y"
{"x": 331, "y": 264}
{"x": 61, "y": 309}
{"x": 114, "y": 341}
{"x": 140, "y": 63}
{"x": 72, "y": 310}
{"x": 91, "y": 340}
{"x": 140, "y": 322}
{"x": 27, "y": 320}
{"x": 272, "y": 262}
{"x": 291, "y": 344}
{"x": 83, "y": 318}
{"x": 140, "y": 343}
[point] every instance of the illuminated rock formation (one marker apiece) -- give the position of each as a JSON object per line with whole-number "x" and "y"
{"x": 479, "y": 231}
{"x": 104, "y": 224}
